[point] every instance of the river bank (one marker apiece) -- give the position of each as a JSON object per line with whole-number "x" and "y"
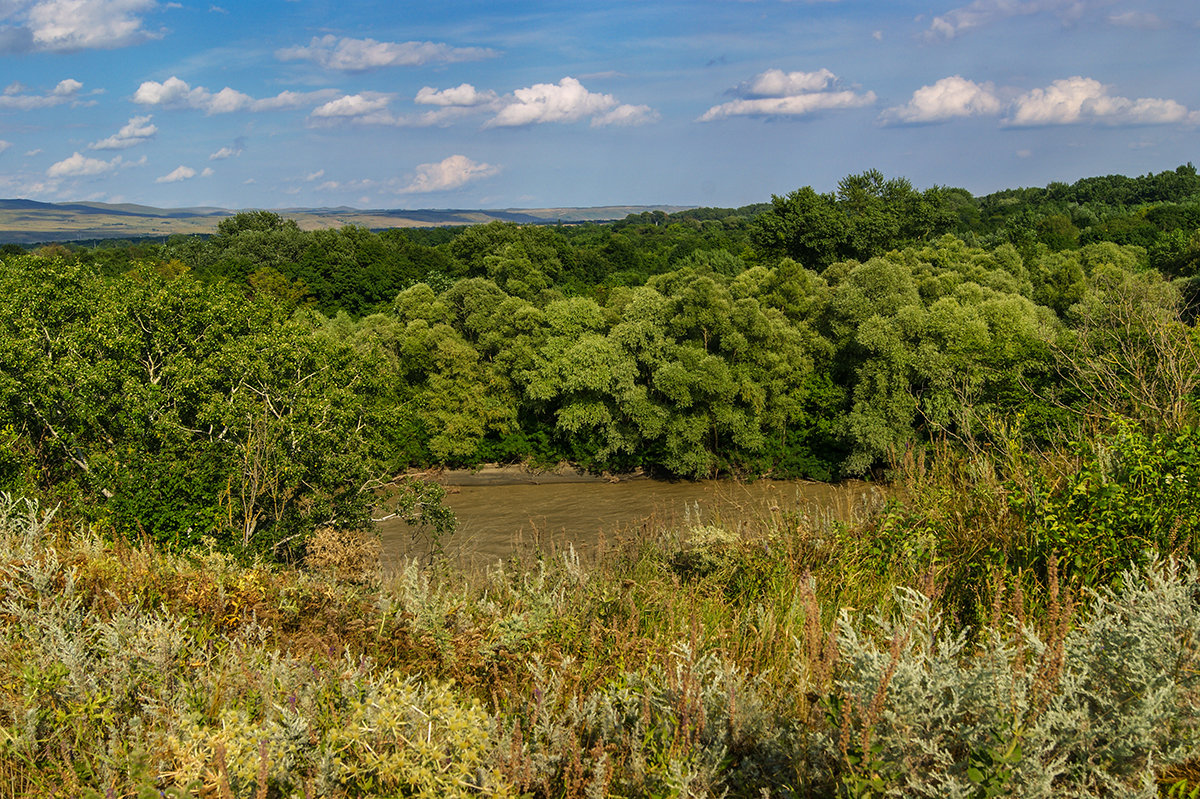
{"x": 498, "y": 474}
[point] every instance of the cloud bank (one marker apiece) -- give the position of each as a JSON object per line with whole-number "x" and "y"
{"x": 1070, "y": 101}
{"x": 176, "y": 93}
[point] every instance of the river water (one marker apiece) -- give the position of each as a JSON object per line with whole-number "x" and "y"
{"x": 499, "y": 521}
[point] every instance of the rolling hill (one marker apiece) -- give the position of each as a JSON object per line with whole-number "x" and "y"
{"x": 32, "y": 222}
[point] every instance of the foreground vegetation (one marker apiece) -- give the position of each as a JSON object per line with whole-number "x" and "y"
{"x": 933, "y": 647}
{"x": 193, "y": 443}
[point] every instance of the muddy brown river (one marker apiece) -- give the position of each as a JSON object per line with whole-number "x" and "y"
{"x": 499, "y": 521}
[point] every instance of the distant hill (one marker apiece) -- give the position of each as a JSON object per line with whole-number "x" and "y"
{"x": 29, "y": 221}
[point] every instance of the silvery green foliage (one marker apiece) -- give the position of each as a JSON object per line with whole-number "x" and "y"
{"x": 695, "y": 727}
{"x": 1128, "y": 703}
{"x": 921, "y": 713}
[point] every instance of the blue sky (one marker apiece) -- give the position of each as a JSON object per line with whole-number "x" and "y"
{"x": 463, "y": 104}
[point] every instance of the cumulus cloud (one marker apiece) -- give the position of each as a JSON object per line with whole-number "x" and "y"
{"x": 565, "y": 101}
{"x": 462, "y": 96}
{"x": 777, "y": 83}
{"x": 69, "y": 25}
{"x": 948, "y": 98}
{"x": 81, "y": 166}
{"x": 226, "y": 152}
{"x": 1079, "y": 100}
{"x": 359, "y": 55}
{"x": 133, "y": 133}
{"x": 779, "y": 93}
{"x": 68, "y": 87}
{"x": 985, "y": 12}
{"x": 176, "y": 93}
{"x": 368, "y": 108}
{"x": 177, "y": 174}
{"x": 450, "y": 173}
{"x": 1070, "y": 101}
{"x": 17, "y": 97}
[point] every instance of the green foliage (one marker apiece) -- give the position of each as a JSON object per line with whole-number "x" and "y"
{"x": 1131, "y": 494}
{"x": 185, "y": 408}
{"x": 868, "y": 216}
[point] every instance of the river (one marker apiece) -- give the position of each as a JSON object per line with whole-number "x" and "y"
{"x": 499, "y": 521}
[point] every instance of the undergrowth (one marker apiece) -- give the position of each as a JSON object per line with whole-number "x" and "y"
{"x": 954, "y": 642}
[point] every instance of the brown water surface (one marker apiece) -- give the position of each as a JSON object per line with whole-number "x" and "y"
{"x": 498, "y": 521}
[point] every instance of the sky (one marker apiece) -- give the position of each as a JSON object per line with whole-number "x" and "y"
{"x": 379, "y": 104}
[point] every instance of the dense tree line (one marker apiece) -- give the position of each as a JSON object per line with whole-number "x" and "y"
{"x": 263, "y": 380}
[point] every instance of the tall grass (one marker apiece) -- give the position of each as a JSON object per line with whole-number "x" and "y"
{"x": 944, "y": 643}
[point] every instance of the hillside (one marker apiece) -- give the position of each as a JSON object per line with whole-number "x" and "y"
{"x": 29, "y": 221}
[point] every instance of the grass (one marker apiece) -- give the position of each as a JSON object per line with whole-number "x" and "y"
{"x": 921, "y": 647}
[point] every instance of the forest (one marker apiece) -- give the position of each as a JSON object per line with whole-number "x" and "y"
{"x": 196, "y": 433}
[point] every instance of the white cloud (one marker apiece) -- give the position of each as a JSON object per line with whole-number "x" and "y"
{"x": 81, "y": 166}
{"x": 358, "y": 55}
{"x": 463, "y": 96}
{"x": 985, "y": 12}
{"x": 15, "y": 96}
{"x": 176, "y": 93}
{"x": 225, "y": 152}
{"x": 291, "y": 99}
{"x": 950, "y": 97}
{"x": 67, "y": 88}
{"x": 626, "y": 115}
{"x": 789, "y": 106}
{"x": 177, "y": 174}
{"x": 1079, "y": 100}
{"x": 565, "y": 101}
{"x": 777, "y": 83}
{"x": 778, "y": 93}
{"x": 369, "y": 108}
{"x": 4, "y": 145}
{"x": 1140, "y": 20}
{"x": 67, "y": 25}
{"x": 368, "y": 104}
{"x": 208, "y": 172}
{"x": 320, "y": 173}
{"x": 1070, "y": 101}
{"x": 451, "y": 173}
{"x": 133, "y": 133}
